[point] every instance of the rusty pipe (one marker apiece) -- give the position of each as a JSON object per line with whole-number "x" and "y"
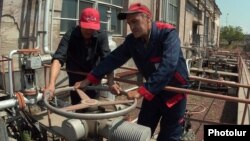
{"x": 207, "y": 94}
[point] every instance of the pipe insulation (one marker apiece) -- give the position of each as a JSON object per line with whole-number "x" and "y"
{"x": 127, "y": 131}
{"x": 120, "y": 130}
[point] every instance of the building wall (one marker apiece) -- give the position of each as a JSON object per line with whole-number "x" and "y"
{"x": 18, "y": 30}
{"x": 20, "y": 24}
{"x": 55, "y": 28}
{"x": 182, "y": 21}
{"x": 217, "y": 32}
{"x": 17, "y": 27}
{"x": 195, "y": 16}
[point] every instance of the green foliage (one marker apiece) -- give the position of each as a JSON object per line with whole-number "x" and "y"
{"x": 230, "y": 34}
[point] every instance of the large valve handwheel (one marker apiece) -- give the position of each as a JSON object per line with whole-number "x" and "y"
{"x": 87, "y": 102}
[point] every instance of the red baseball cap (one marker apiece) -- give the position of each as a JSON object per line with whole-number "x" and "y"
{"x": 134, "y": 8}
{"x": 90, "y": 19}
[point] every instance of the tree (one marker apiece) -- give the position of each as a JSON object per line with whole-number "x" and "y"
{"x": 230, "y": 34}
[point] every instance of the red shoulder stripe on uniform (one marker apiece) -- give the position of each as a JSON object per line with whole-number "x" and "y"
{"x": 162, "y": 25}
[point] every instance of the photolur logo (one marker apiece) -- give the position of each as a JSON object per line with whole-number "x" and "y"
{"x": 226, "y": 132}
{"x": 235, "y": 132}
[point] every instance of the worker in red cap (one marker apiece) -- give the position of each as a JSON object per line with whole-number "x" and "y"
{"x": 81, "y": 48}
{"x": 155, "y": 49}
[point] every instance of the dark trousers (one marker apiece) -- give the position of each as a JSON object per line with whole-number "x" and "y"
{"x": 171, "y": 119}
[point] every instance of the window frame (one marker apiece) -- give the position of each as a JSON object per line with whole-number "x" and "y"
{"x": 95, "y": 4}
{"x": 166, "y": 5}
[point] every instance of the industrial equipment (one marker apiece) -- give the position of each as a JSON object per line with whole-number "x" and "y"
{"x": 28, "y": 114}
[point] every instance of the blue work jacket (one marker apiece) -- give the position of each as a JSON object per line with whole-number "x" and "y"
{"x": 160, "y": 61}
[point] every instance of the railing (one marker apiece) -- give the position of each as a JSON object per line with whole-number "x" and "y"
{"x": 242, "y": 101}
{"x": 244, "y": 92}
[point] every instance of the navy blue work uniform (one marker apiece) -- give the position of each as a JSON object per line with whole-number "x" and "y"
{"x": 81, "y": 57}
{"x": 161, "y": 63}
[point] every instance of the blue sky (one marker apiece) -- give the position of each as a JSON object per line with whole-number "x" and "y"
{"x": 235, "y": 13}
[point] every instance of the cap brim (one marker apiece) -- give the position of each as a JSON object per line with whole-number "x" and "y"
{"x": 94, "y": 26}
{"x": 123, "y": 15}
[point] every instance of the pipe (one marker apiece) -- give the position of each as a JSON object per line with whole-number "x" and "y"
{"x": 46, "y": 28}
{"x": 207, "y": 94}
{"x": 10, "y": 72}
{"x": 10, "y": 69}
{"x": 188, "y": 65}
{"x": 228, "y": 83}
{"x": 8, "y": 103}
{"x": 34, "y": 100}
{"x": 14, "y": 102}
{"x": 211, "y": 87}
{"x": 205, "y": 23}
{"x": 38, "y": 23}
{"x": 193, "y": 92}
{"x": 51, "y": 28}
{"x": 119, "y": 130}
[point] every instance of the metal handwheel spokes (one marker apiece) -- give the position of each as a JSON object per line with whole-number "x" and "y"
{"x": 82, "y": 94}
{"x": 87, "y": 102}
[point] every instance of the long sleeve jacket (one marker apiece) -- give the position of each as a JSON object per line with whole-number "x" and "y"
{"x": 161, "y": 62}
{"x": 76, "y": 55}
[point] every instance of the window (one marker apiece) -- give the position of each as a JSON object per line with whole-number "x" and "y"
{"x": 192, "y": 9}
{"x": 71, "y": 12}
{"x": 170, "y": 11}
